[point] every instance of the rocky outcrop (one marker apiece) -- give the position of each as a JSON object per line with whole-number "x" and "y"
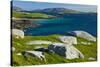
{"x": 68, "y": 39}
{"x": 16, "y": 33}
{"x": 68, "y": 51}
{"x": 37, "y": 54}
{"x": 22, "y": 23}
{"x": 83, "y": 34}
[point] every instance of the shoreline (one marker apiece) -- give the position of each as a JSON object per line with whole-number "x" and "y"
{"x": 13, "y": 18}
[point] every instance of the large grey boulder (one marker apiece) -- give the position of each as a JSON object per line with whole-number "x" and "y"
{"x": 38, "y": 54}
{"x": 84, "y": 35}
{"x": 17, "y": 33}
{"x": 68, "y": 39}
{"x": 68, "y": 51}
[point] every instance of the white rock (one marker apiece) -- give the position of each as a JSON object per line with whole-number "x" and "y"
{"x": 68, "y": 39}
{"x": 68, "y": 51}
{"x": 84, "y": 35}
{"x": 38, "y": 42}
{"x": 38, "y": 54}
{"x": 91, "y": 58}
{"x": 85, "y": 43}
{"x": 17, "y": 33}
{"x": 19, "y": 54}
{"x": 13, "y": 48}
{"x": 89, "y": 43}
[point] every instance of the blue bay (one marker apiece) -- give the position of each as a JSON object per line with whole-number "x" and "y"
{"x": 62, "y": 25}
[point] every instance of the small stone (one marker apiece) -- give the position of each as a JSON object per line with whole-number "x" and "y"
{"x": 91, "y": 58}
{"x": 19, "y": 54}
{"x": 13, "y": 48}
{"x": 89, "y": 43}
{"x": 85, "y": 43}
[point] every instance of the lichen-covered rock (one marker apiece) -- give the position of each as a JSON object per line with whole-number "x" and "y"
{"x": 68, "y": 39}
{"x": 84, "y": 35}
{"x": 17, "y": 33}
{"x": 68, "y": 51}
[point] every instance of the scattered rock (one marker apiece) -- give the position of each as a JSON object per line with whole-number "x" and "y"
{"x": 68, "y": 51}
{"x": 83, "y": 34}
{"x": 17, "y": 33}
{"x": 68, "y": 39}
{"x": 85, "y": 43}
{"x": 91, "y": 58}
{"x": 38, "y": 54}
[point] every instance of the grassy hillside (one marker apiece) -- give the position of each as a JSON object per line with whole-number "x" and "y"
{"x": 30, "y": 15}
{"x": 20, "y": 45}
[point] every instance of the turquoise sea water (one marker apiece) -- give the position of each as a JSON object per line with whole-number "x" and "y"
{"x": 62, "y": 25}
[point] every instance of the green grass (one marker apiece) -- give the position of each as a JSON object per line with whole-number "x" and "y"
{"x": 20, "y": 45}
{"x": 30, "y": 15}
{"x": 87, "y": 50}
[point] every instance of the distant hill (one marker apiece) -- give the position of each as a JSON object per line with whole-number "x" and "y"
{"x": 45, "y": 13}
{"x": 56, "y": 11}
{"x": 14, "y": 8}
{"x": 21, "y": 13}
